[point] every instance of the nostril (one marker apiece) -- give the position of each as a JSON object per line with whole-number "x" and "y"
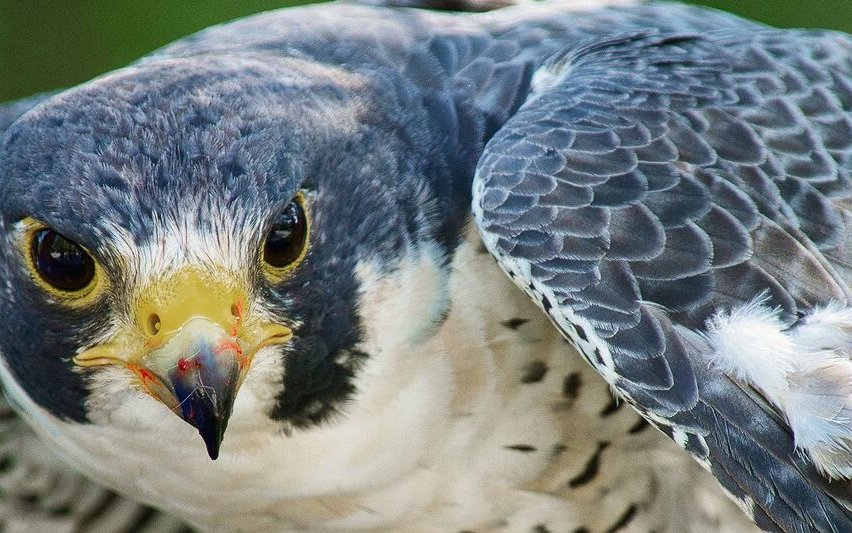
{"x": 154, "y": 324}
{"x": 237, "y": 310}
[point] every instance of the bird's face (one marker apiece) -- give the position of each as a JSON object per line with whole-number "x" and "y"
{"x": 168, "y": 225}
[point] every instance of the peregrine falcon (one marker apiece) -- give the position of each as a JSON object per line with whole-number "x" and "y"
{"x": 413, "y": 270}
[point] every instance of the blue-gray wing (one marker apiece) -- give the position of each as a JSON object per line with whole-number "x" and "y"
{"x": 651, "y": 181}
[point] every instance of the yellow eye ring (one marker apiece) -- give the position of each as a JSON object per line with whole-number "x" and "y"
{"x": 286, "y": 243}
{"x": 60, "y": 267}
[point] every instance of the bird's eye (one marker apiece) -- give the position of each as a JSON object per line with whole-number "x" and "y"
{"x": 285, "y": 242}
{"x": 60, "y": 262}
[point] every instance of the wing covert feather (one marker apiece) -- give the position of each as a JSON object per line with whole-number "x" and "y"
{"x": 652, "y": 180}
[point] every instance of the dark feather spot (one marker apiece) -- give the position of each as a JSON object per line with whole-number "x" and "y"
{"x": 625, "y": 519}
{"x": 526, "y": 448}
{"x": 571, "y": 385}
{"x": 514, "y": 323}
{"x": 61, "y": 511}
{"x": 582, "y": 529}
{"x": 591, "y": 468}
{"x": 598, "y": 357}
{"x": 142, "y": 519}
{"x": 611, "y": 408}
{"x": 581, "y": 332}
{"x": 558, "y": 449}
{"x": 28, "y": 499}
{"x": 540, "y": 528}
{"x": 232, "y": 168}
{"x": 440, "y": 319}
{"x": 640, "y": 426}
{"x": 203, "y": 117}
{"x": 112, "y": 179}
{"x": 534, "y": 372}
{"x": 92, "y": 513}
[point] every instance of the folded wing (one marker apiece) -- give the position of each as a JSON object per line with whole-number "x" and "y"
{"x": 655, "y": 185}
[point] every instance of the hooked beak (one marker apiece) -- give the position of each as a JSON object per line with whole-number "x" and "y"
{"x": 196, "y": 347}
{"x": 197, "y": 374}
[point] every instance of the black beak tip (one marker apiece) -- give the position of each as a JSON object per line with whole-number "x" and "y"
{"x": 212, "y": 443}
{"x": 208, "y": 418}
{"x": 212, "y": 431}
{"x": 206, "y": 398}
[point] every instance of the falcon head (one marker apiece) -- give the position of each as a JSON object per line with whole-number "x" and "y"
{"x": 177, "y": 229}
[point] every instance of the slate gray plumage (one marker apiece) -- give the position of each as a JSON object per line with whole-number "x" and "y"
{"x": 687, "y": 173}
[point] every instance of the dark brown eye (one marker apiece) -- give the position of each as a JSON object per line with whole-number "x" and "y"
{"x": 60, "y": 262}
{"x": 286, "y": 237}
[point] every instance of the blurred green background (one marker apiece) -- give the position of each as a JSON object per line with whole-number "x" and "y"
{"x": 45, "y": 44}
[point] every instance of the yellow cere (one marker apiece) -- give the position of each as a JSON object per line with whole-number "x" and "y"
{"x": 166, "y": 308}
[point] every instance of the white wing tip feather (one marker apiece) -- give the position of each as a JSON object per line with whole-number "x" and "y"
{"x": 752, "y": 347}
{"x": 819, "y": 411}
{"x": 804, "y": 371}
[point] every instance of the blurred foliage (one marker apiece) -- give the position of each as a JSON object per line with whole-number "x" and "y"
{"x": 46, "y": 44}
